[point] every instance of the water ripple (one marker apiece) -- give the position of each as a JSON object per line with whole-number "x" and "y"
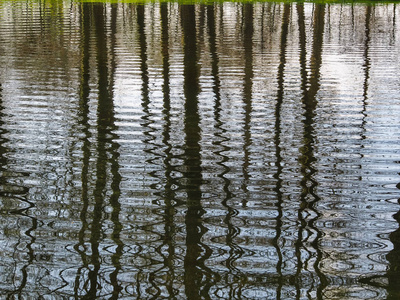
{"x": 167, "y": 151}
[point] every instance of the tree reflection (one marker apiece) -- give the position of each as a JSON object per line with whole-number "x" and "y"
{"x": 308, "y": 231}
{"x": 149, "y": 132}
{"x": 235, "y": 285}
{"x": 248, "y": 30}
{"x": 84, "y": 90}
{"x": 103, "y": 117}
{"x": 169, "y": 194}
{"x": 304, "y": 79}
{"x": 367, "y": 67}
{"x": 105, "y": 145}
{"x": 116, "y": 176}
{"x": 277, "y": 141}
{"x": 197, "y": 276}
{"x": 3, "y": 149}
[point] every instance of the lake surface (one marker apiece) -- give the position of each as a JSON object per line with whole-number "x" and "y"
{"x": 221, "y": 151}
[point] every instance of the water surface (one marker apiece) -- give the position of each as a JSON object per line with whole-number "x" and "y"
{"x": 223, "y": 151}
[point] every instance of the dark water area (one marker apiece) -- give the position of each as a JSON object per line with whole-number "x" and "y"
{"x": 222, "y": 151}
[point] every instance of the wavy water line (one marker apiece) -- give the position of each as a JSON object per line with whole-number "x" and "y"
{"x": 238, "y": 250}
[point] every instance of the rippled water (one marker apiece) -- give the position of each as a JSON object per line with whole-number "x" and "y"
{"x": 225, "y": 151}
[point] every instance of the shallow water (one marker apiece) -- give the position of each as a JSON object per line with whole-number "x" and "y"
{"x": 226, "y": 151}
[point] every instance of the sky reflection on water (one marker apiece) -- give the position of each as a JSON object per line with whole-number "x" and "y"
{"x": 167, "y": 151}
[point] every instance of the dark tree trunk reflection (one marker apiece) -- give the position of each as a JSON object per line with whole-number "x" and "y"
{"x": 197, "y": 276}
{"x": 103, "y": 118}
{"x": 248, "y": 30}
{"x": 367, "y": 67}
{"x": 304, "y": 79}
{"x": 3, "y": 148}
{"x": 146, "y": 119}
{"x": 277, "y": 141}
{"x": 84, "y": 90}
{"x": 105, "y": 146}
{"x": 309, "y": 197}
{"x": 116, "y": 176}
{"x": 168, "y": 239}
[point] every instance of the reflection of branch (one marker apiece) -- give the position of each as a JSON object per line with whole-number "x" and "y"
{"x": 143, "y": 56}
{"x": 31, "y": 255}
{"x": 247, "y": 89}
{"x": 277, "y": 140}
{"x": 3, "y": 149}
{"x": 367, "y": 67}
{"x": 394, "y": 23}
